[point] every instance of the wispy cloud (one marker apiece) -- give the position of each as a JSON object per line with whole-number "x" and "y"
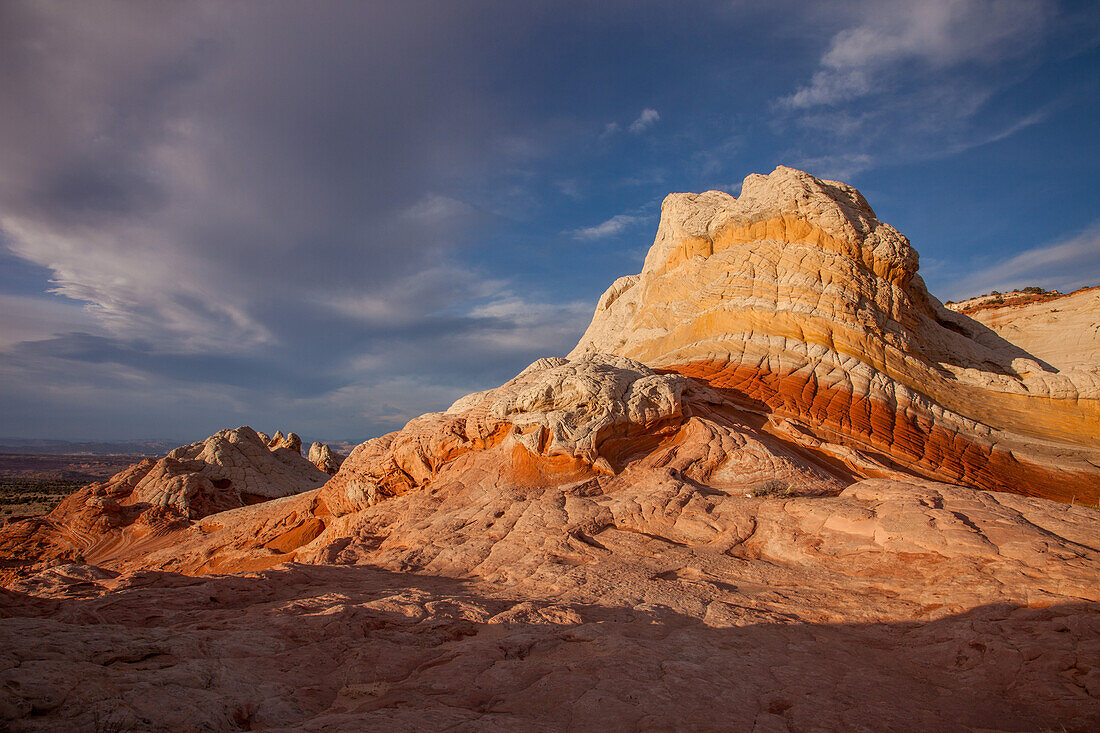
{"x": 1064, "y": 265}
{"x": 936, "y": 33}
{"x": 435, "y": 209}
{"x": 609, "y": 228}
{"x": 838, "y": 167}
{"x": 907, "y": 81}
{"x": 531, "y": 324}
{"x": 646, "y": 120}
{"x": 570, "y": 187}
{"x": 28, "y": 318}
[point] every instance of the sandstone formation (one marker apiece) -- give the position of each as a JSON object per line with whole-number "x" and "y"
{"x": 290, "y": 441}
{"x": 638, "y": 601}
{"x": 325, "y": 458}
{"x": 796, "y": 298}
{"x": 230, "y": 469}
{"x": 1060, "y": 330}
{"x": 716, "y": 514}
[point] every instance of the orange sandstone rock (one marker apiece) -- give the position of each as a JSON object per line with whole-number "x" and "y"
{"x": 796, "y": 297}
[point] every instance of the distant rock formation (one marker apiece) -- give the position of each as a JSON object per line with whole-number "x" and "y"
{"x": 794, "y": 297}
{"x": 230, "y": 469}
{"x": 1062, "y": 330}
{"x": 290, "y": 441}
{"x": 325, "y": 458}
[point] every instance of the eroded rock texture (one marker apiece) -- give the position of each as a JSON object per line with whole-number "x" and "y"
{"x": 796, "y": 298}
{"x": 638, "y": 601}
{"x": 325, "y": 458}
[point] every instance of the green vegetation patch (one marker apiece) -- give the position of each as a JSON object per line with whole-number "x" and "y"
{"x": 29, "y": 496}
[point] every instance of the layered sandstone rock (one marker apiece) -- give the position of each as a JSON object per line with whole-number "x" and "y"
{"x": 564, "y": 420}
{"x": 795, "y": 297}
{"x": 290, "y": 441}
{"x": 1062, "y": 330}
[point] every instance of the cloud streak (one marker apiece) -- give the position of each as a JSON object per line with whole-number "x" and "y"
{"x": 613, "y": 226}
{"x": 1064, "y": 265}
{"x": 935, "y": 33}
{"x": 647, "y": 119}
{"x": 909, "y": 81}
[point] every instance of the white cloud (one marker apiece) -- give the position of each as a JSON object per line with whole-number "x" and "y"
{"x": 935, "y": 33}
{"x": 437, "y": 210}
{"x": 1065, "y": 265}
{"x": 903, "y": 81}
{"x": 407, "y": 299}
{"x": 136, "y": 282}
{"x": 830, "y": 87}
{"x": 609, "y": 228}
{"x": 532, "y": 325}
{"x": 569, "y": 187}
{"x": 646, "y": 120}
{"x": 1007, "y": 131}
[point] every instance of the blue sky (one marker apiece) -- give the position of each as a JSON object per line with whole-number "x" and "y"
{"x": 332, "y": 218}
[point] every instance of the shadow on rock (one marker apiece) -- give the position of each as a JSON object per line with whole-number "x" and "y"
{"x": 359, "y": 648}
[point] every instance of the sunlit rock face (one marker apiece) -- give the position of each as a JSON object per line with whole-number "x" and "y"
{"x": 563, "y": 420}
{"x": 325, "y": 458}
{"x": 1062, "y": 330}
{"x": 796, "y": 298}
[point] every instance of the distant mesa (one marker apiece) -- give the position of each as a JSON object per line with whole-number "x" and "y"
{"x": 25, "y": 446}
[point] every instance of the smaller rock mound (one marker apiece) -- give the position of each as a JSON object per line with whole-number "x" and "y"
{"x": 325, "y": 458}
{"x": 559, "y": 421}
{"x": 553, "y": 417}
{"x": 290, "y": 441}
{"x": 228, "y": 470}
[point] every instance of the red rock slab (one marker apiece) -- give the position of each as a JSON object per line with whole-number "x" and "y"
{"x": 920, "y": 446}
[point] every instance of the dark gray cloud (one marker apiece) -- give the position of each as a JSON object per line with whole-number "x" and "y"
{"x": 258, "y": 200}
